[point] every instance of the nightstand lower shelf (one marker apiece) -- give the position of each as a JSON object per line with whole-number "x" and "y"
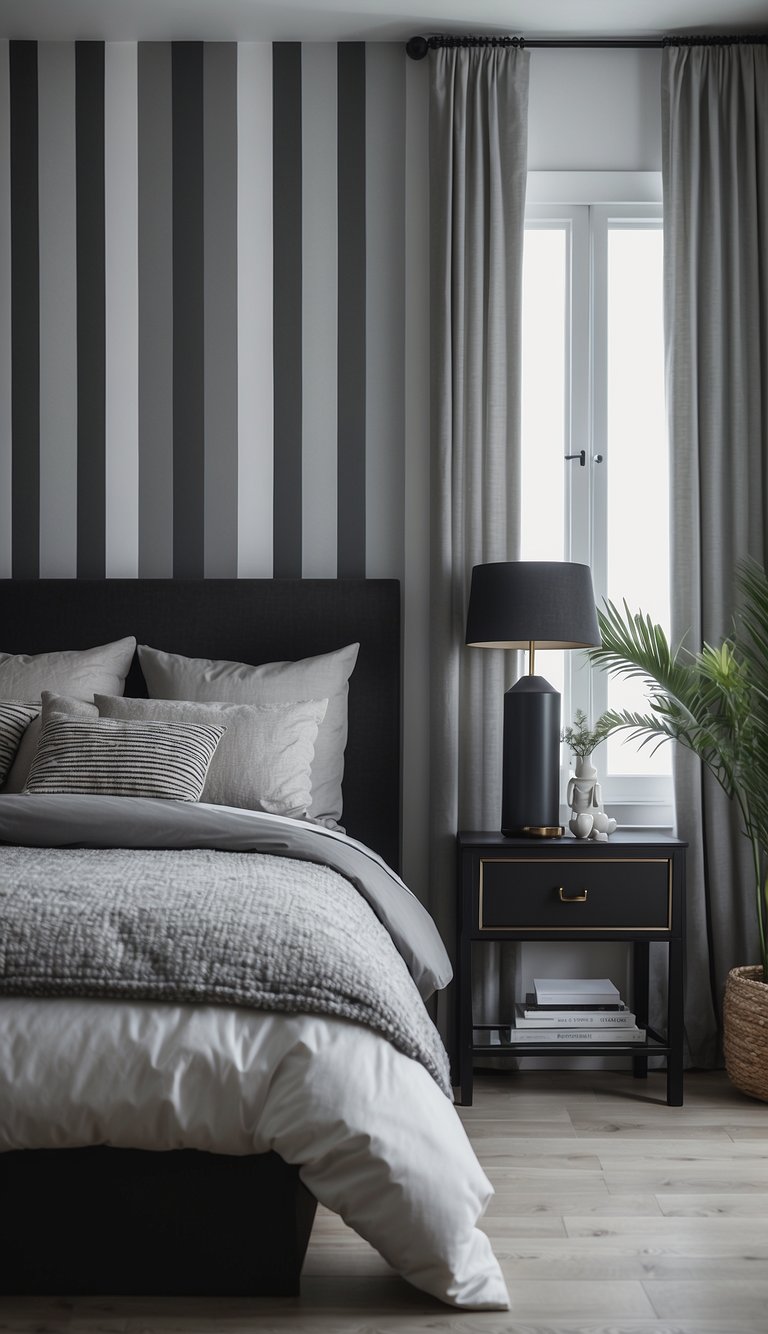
{"x": 655, "y": 1045}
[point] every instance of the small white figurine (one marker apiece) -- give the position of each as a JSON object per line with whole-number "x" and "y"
{"x": 588, "y": 819}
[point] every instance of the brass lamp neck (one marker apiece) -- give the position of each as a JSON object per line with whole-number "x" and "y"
{"x": 531, "y": 656}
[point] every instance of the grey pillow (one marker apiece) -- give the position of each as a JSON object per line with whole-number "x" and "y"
{"x": 14, "y": 721}
{"x": 171, "y": 676}
{"x": 127, "y": 759}
{"x": 79, "y": 672}
{"x": 66, "y": 706}
{"x": 264, "y": 760}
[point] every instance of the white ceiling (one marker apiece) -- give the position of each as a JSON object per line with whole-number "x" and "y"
{"x": 370, "y": 20}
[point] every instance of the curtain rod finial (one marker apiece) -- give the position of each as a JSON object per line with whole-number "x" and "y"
{"x": 417, "y": 48}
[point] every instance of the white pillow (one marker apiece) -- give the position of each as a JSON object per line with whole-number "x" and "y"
{"x": 263, "y": 762}
{"x": 126, "y": 759}
{"x": 171, "y": 676}
{"x": 79, "y": 672}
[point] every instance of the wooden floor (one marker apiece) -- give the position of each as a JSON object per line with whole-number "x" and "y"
{"x": 613, "y": 1214}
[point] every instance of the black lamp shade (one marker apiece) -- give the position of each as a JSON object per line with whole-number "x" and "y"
{"x": 512, "y": 603}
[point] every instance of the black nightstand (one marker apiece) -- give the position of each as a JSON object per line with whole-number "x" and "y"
{"x": 631, "y": 888}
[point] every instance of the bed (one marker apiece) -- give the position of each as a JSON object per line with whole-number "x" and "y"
{"x": 107, "y": 1209}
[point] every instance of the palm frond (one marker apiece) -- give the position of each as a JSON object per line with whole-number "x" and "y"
{"x": 634, "y": 646}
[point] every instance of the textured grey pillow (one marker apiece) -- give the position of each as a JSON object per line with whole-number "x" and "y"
{"x": 14, "y": 721}
{"x": 79, "y": 672}
{"x": 126, "y": 759}
{"x": 263, "y": 762}
{"x": 171, "y": 676}
{"x": 65, "y": 706}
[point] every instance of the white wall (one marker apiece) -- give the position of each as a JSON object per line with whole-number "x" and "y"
{"x": 594, "y": 111}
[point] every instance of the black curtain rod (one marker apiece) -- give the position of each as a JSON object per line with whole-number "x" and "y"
{"x": 418, "y": 47}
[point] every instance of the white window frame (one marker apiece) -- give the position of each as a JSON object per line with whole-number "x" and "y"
{"x": 587, "y": 203}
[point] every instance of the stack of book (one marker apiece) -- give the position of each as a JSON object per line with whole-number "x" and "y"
{"x": 575, "y": 1009}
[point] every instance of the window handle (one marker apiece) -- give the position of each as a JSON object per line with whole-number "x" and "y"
{"x": 581, "y": 456}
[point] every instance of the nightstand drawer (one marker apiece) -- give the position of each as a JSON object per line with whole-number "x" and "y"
{"x": 574, "y": 894}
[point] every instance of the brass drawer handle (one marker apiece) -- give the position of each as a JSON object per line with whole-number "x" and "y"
{"x": 572, "y": 898}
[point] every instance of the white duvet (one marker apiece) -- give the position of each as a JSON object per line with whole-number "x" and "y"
{"x": 375, "y": 1138}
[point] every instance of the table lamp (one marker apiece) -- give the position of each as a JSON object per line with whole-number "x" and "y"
{"x": 530, "y": 605}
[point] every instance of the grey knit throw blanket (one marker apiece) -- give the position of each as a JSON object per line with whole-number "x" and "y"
{"x": 213, "y": 927}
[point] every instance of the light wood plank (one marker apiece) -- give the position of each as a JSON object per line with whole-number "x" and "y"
{"x": 696, "y": 1234}
{"x": 721, "y": 1205}
{"x": 710, "y": 1298}
{"x": 508, "y": 1202}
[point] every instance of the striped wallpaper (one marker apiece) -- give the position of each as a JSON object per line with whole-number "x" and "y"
{"x": 203, "y": 309}
{"x": 214, "y": 323}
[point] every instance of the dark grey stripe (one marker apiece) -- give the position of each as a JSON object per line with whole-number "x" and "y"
{"x": 188, "y": 312}
{"x": 91, "y": 291}
{"x": 220, "y": 204}
{"x": 25, "y": 312}
{"x": 155, "y": 151}
{"x": 351, "y": 360}
{"x": 287, "y": 204}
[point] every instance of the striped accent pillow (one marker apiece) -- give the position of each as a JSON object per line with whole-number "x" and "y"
{"x": 123, "y": 758}
{"x": 14, "y": 721}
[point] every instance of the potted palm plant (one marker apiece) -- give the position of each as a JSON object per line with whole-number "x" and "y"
{"x": 715, "y": 702}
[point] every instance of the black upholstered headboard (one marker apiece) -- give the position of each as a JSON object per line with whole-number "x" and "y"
{"x": 246, "y": 620}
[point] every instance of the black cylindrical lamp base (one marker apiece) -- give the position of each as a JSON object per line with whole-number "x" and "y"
{"x": 530, "y": 792}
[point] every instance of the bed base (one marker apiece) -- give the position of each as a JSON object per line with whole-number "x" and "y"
{"x": 104, "y": 1221}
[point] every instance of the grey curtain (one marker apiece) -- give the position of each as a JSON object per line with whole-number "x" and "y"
{"x": 478, "y": 165}
{"x": 715, "y": 175}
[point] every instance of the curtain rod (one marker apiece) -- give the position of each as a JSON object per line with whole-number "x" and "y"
{"x": 418, "y": 47}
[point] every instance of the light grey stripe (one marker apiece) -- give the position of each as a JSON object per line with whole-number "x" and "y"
{"x": 385, "y": 310}
{"x": 220, "y": 295}
{"x": 255, "y": 380}
{"x": 58, "y": 310}
{"x": 155, "y": 311}
{"x": 122, "y": 310}
{"x": 5, "y": 316}
{"x": 319, "y": 309}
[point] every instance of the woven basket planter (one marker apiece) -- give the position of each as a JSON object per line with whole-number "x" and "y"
{"x": 745, "y": 1025}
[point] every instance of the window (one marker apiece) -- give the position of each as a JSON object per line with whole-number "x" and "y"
{"x": 594, "y": 440}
